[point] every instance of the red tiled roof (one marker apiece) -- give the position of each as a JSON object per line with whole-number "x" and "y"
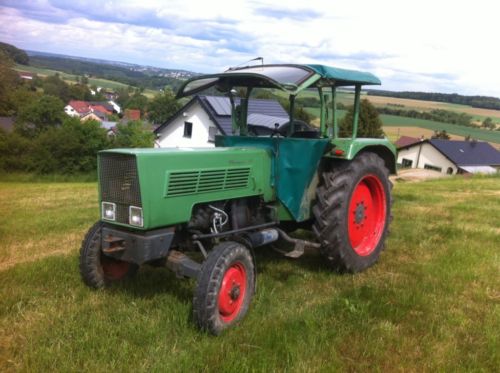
{"x": 84, "y": 107}
{"x": 133, "y": 114}
{"x": 405, "y": 141}
{"x": 81, "y": 107}
{"x": 101, "y": 109}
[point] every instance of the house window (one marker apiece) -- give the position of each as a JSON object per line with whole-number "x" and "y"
{"x": 449, "y": 171}
{"x": 431, "y": 167}
{"x": 188, "y": 129}
{"x": 406, "y": 163}
{"x": 212, "y": 131}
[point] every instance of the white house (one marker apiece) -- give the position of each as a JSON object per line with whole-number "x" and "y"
{"x": 450, "y": 157}
{"x": 115, "y": 106}
{"x": 70, "y": 110}
{"x": 203, "y": 117}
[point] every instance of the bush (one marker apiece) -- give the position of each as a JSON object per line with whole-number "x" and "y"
{"x": 70, "y": 148}
{"x": 15, "y": 152}
{"x": 133, "y": 134}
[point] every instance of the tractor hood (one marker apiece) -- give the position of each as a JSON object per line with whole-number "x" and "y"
{"x": 165, "y": 184}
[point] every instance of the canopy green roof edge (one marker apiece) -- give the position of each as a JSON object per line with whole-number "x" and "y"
{"x": 344, "y": 75}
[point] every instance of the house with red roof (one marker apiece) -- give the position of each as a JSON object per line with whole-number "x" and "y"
{"x": 407, "y": 140}
{"x": 82, "y": 109}
{"x": 132, "y": 114}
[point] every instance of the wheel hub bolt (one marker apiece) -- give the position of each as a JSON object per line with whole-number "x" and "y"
{"x": 235, "y": 292}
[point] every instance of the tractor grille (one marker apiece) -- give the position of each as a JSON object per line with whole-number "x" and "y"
{"x": 119, "y": 183}
{"x": 204, "y": 181}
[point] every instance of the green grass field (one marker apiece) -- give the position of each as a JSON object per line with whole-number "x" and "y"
{"x": 432, "y": 303}
{"x": 104, "y": 83}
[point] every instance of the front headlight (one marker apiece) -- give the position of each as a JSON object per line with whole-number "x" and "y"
{"x": 108, "y": 211}
{"x": 135, "y": 216}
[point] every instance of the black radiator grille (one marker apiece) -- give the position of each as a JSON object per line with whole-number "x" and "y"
{"x": 119, "y": 183}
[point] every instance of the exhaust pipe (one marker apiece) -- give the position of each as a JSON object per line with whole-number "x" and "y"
{"x": 263, "y": 237}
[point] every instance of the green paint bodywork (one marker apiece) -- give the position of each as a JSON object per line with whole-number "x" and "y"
{"x": 155, "y": 167}
{"x": 351, "y": 148}
{"x": 344, "y": 76}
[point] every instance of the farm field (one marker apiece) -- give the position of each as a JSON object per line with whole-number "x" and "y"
{"x": 430, "y": 304}
{"x": 104, "y": 83}
{"x": 477, "y": 133}
{"x": 420, "y": 105}
{"x": 394, "y": 133}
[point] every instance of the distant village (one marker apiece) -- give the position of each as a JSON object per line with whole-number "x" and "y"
{"x": 201, "y": 119}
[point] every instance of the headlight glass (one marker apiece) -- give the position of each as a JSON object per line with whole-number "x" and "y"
{"x": 135, "y": 216}
{"x": 109, "y": 211}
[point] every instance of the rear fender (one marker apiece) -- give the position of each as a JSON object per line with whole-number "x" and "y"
{"x": 348, "y": 149}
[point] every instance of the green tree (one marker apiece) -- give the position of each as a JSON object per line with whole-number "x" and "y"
{"x": 9, "y": 80}
{"x": 80, "y": 92}
{"x": 137, "y": 101}
{"x": 43, "y": 113}
{"x": 162, "y": 107}
{"x": 15, "y": 152}
{"x": 369, "y": 123}
{"x": 133, "y": 134}
{"x": 488, "y": 123}
{"x": 53, "y": 85}
{"x": 70, "y": 148}
{"x": 22, "y": 97}
{"x": 442, "y": 135}
{"x": 123, "y": 96}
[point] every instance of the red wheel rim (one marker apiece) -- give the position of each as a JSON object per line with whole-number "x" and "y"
{"x": 232, "y": 292}
{"x": 114, "y": 269}
{"x": 366, "y": 215}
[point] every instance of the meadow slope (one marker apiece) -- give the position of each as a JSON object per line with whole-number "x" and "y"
{"x": 431, "y": 303}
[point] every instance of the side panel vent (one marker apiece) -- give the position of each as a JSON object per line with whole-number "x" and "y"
{"x": 205, "y": 181}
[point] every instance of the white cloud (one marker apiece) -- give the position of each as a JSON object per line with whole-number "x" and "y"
{"x": 426, "y": 45}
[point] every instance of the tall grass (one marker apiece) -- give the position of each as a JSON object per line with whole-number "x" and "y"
{"x": 432, "y": 303}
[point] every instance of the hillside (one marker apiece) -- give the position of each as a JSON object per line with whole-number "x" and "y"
{"x": 131, "y": 75}
{"x": 430, "y": 304}
{"x": 483, "y": 102}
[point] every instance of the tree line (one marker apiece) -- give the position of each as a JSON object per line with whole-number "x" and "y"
{"x": 438, "y": 115}
{"x": 484, "y": 102}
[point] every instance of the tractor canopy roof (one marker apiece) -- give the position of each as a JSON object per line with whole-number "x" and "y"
{"x": 290, "y": 78}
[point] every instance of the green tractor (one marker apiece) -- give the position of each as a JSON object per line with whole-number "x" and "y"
{"x": 201, "y": 212}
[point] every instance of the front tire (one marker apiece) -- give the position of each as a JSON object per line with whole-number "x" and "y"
{"x": 225, "y": 288}
{"x": 352, "y": 212}
{"x": 98, "y": 270}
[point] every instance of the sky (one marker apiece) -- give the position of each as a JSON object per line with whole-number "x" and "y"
{"x": 425, "y": 45}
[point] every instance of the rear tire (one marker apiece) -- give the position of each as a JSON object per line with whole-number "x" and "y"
{"x": 98, "y": 270}
{"x": 352, "y": 212}
{"x": 225, "y": 288}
